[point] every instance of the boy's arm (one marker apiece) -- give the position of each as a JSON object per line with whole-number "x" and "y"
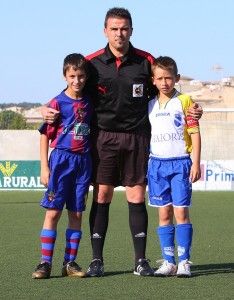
{"x": 195, "y": 172}
{"x": 45, "y": 171}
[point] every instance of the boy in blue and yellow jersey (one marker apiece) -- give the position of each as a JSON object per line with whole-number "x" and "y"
{"x": 67, "y": 173}
{"x": 171, "y": 171}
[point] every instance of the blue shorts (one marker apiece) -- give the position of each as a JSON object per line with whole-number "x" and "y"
{"x": 69, "y": 181}
{"x": 169, "y": 182}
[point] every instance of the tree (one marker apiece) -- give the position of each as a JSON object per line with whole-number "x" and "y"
{"x": 11, "y": 120}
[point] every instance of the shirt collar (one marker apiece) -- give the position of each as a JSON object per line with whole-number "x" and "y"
{"x": 130, "y": 55}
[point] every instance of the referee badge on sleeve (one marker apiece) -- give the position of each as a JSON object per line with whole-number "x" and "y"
{"x": 137, "y": 90}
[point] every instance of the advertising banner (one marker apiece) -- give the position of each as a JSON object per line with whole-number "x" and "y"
{"x": 20, "y": 175}
{"x": 216, "y": 175}
{"x": 25, "y": 175}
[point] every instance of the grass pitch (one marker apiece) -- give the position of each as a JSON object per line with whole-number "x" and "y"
{"x": 212, "y": 253}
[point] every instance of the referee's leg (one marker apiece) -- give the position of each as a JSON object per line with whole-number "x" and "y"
{"x": 138, "y": 222}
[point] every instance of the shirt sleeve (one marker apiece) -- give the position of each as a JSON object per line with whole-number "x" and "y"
{"x": 50, "y": 130}
{"x": 192, "y": 125}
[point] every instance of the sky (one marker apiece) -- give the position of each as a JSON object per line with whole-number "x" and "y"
{"x": 37, "y": 35}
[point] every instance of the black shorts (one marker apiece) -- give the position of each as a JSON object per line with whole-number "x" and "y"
{"x": 120, "y": 158}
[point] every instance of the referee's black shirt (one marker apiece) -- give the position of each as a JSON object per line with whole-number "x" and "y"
{"x": 121, "y": 89}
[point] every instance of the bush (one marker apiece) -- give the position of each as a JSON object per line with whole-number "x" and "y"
{"x": 12, "y": 120}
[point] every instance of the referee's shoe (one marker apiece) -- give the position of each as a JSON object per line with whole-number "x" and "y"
{"x": 96, "y": 268}
{"x": 143, "y": 268}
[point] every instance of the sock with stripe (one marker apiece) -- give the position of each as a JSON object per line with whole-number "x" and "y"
{"x": 73, "y": 238}
{"x": 48, "y": 238}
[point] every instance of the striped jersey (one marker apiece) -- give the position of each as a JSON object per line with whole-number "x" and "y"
{"x": 170, "y": 126}
{"x": 71, "y": 131}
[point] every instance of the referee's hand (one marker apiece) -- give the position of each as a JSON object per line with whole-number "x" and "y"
{"x": 195, "y": 111}
{"x": 49, "y": 114}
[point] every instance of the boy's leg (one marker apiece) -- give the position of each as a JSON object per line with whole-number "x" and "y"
{"x": 168, "y": 265}
{"x": 70, "y": 267}
{"x": 184, "y": 235}
{"x": 166, "y": 234}
{"x": 48, "y": 238}
{"x": 181, "y": 194}
{"x": 184, "y": 232}
{"x": 49, "y": 234}
{"x": 73, "y": 238}
{"x": 166, "y": 238}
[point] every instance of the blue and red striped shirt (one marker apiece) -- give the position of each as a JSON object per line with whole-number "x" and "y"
{"x": 71, "y": 131}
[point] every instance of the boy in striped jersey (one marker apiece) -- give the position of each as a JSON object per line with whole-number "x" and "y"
{"x": 67, "y": 173}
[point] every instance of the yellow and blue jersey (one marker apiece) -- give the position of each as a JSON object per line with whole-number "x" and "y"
{"x": 170, "y": 127}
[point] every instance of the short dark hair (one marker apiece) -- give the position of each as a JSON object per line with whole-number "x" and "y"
{"x": 118, "y": 12}
{"x": 75, "y": 61}
{"x": 165, "y": 63}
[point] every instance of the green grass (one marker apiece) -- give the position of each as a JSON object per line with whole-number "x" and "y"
{"x": 212, "y": 253}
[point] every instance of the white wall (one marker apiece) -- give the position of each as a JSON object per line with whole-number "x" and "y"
{"x": 19, "y": 145}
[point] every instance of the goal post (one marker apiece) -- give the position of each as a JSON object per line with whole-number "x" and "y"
{"x": 217, "y": 151}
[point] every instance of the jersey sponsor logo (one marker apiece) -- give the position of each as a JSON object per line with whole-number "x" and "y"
{"x": 137, "y": 90}
{"x": 167, "y": 137}
{"x": 178, "y": 120}
{"x": 162, "y": 114}
{"x": 81, "y": 129}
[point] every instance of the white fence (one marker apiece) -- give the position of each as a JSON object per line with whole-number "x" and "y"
{"x": 217, "y": 128}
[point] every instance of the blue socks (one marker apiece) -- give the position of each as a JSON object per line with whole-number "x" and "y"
{"x": 48, "y": 238}
{"x": 166, "y": 237}
{"x": 72, "y": 244}
{"x": 184, "y": 236}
